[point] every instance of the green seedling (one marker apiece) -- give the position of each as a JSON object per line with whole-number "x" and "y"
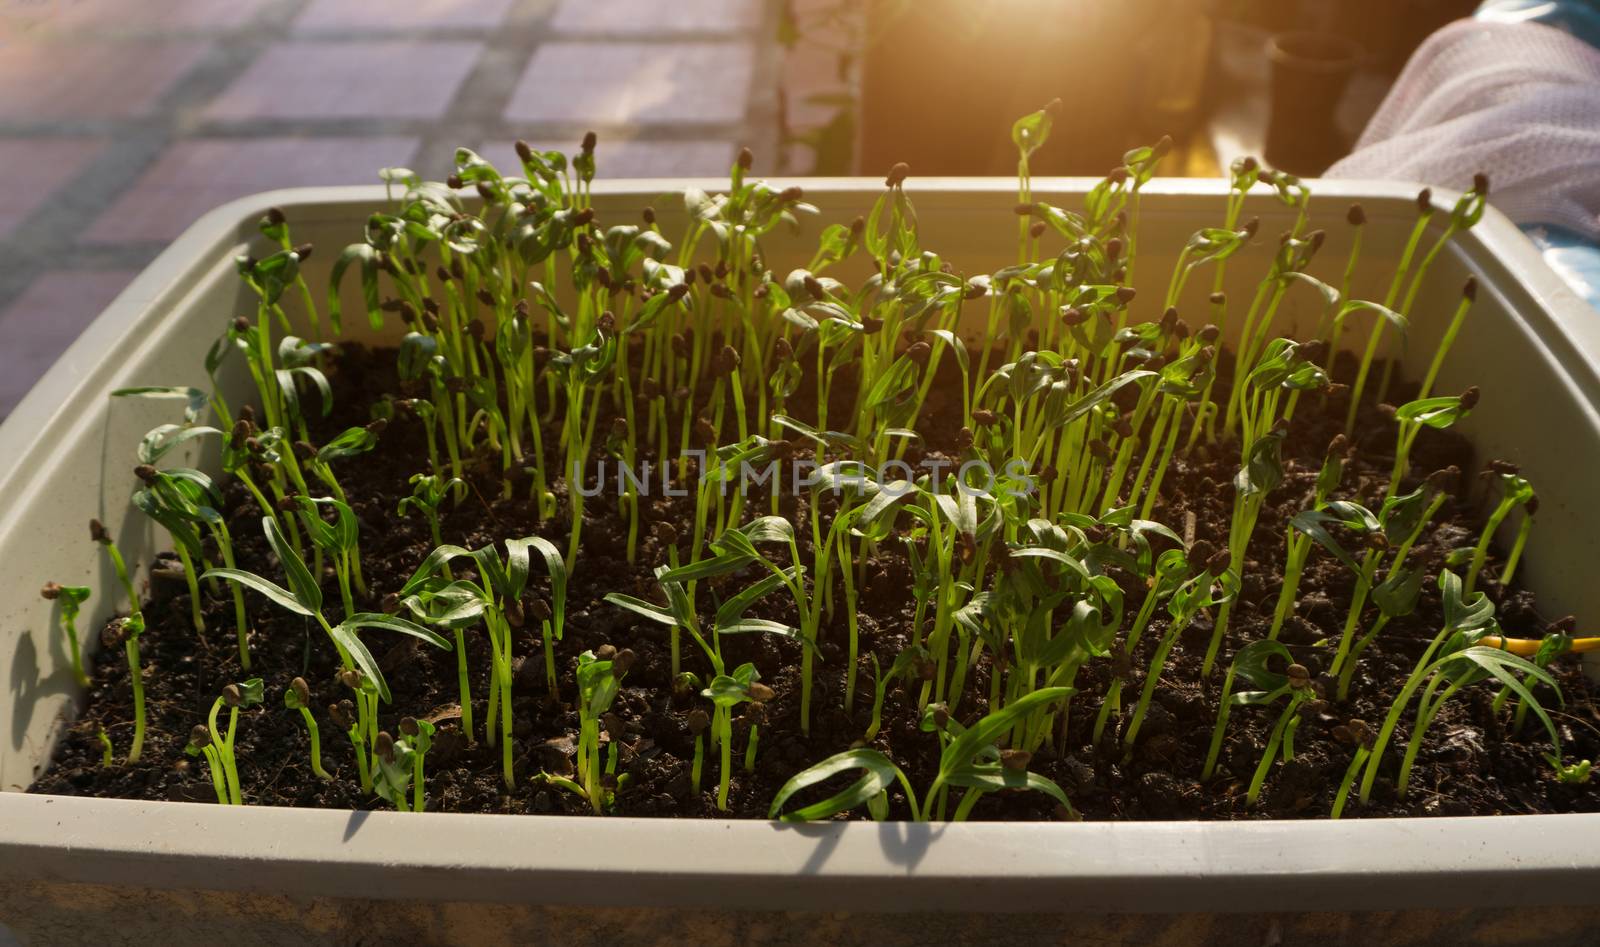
{"x": 1453, "y": 660}
{"x": 268, "y": 277}
{"x": 126, "y": 632}
{"x": 1515, "y": 491}
{"x": 680, "y": 613}
{"x": 494, "y": 599}
{"x": 275, "y": 227}
{"x": 600, "y": 675}
{"x": 297, "y": 696}
{"x": 1468, "y": 664}
{"x": 878, "y": 773}
{"x": 726, "y": 692}
{"x": 1413, "y": 417}
{"x": 1314, "y": 525}
{"x": 731, "y": 619}
{"x": 1293, "y": 682}
{"x": 904, "y": 664}
{"x": 737, "y": 548}
{"x": 1171, "y": 573}
{"x": 1358, "y": 734}
{"x": 1573, "y": 774}
{"x": 399, "y": 775}
{"x": 1466, "y": 213}
{"x": 1396, "y": 596}
{"x": 1298, "y": 545}
{"x": 392, "y": 770}
{"x": 1261, "y": 474}
{"x": 428, "y": 494}
{"x": 336, "y": 540}
{"x": 319, "y": 461}
{"x": 417, "y": 736}
{"x": 954, "y": 523}
{"x": 348, "y": 714}
{"x": 217, "y": 745}
{"x": 360, "y": 670}
{"x": 69, "y": 599}
{"x": 1051, "y": 567}
{"x": 185, "y": 501}
{"x": 1552, "y": 646}
{"x": 419, "y": 362}
{"x": 1468, "y": 210}
{"x": 582, "y": 370}
{"x": 1216, "y": 585}
{"x": 969, "y": 761}
{"x": 1288, "y": 268}
{"x": 1333, "y": 330}
{"x": 697, "y": 722}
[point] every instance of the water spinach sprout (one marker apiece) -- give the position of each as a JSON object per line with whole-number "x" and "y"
{"x": 297, "y": 696}
{"x": 359, "y": 669}
{"x": 969, "y": 760}
{"x": 1293, "y": 682}
{"x": 217, "y": 745}
{"x": 1515, "y": 491}
{"x": 1453, "y": 659}
{"x": 126, "y": 632}
{"x": 400, "y": 773}
{"x": 726, "y": 692}
{"x": 600, "y": 674}
{"x": 69, "y": 599}
{"x": 493, "y": 598}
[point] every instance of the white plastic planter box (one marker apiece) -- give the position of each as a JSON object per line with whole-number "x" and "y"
{"x": 75, "y": 868}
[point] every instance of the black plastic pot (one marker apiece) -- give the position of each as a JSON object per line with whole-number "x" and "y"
{"x": 1309, "y": 75}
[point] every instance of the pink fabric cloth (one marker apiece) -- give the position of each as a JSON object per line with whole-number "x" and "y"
{"x": 1518, "y": 101}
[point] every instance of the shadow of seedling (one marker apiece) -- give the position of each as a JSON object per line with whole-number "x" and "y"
{"x": 26, "y": 688}
{"x": 903, "y": 843}
{"x": 354, "y": 824}
{"x": 907, "y": 843}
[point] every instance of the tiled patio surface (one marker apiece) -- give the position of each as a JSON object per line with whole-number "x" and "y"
{"x": 194, "y": 175}
{"x": 123, "y": 121}
{"x": 634, "y": 83}
{"x": 325, "y": 80}
{"x": 652, "y": 18}
{"x": 61, "y": 80}
{"x": 50, "y": 163}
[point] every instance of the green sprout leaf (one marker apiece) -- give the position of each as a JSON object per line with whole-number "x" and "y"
{"x": 307, "y": 591}
{"x": 1397, "y": 595}
{"x": 877, "y": 773}
{"x": 252, "y": 692}
{"x": 1350, "y": 515}
{"x": 642, "y": 608}
{"x": 1251, "y": 664}
{"x": 1263, "y": 470}
{"x": 279, "y": 595}
{"x": 1439, "y": 412}
{"x": 345, "y": 634}
{"x": 1031, "y": 131}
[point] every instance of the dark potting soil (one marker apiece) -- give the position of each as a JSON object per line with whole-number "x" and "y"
{"x": 1471, "y": 764}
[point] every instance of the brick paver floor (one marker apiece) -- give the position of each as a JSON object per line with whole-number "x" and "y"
{"x": 122, "y": 121}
